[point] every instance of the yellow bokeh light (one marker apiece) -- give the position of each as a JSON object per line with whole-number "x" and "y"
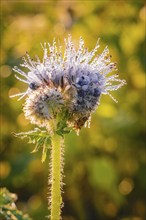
{"x": 4, "y": 169}
{"x": 3, "y": 55}
{"x": 142, "y": 13}
{"x": 34, "y": 202}
{"x": 107, "y": 110}
{"x": 110, "y": 209}
{"x": 21, "y": 120}
{"x": 139, "y": 80}
{"x": 35, "y": 166}
{"x": 13, "y": 91}
{"x": 5, "y": 71}
{"x": 59, "y": 28}
{"x": 126, "y": 186}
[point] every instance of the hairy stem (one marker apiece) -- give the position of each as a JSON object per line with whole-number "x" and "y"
{"x": 56, "y": 176}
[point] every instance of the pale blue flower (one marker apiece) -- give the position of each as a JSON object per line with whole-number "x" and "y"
{"x": 73, "y": 80}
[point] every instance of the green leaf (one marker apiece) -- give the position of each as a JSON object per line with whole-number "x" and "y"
{"x": 39, "y": 137}
{"x": 62, "y": 128}
{"x": 44, "y": 154}
{"x": 8, "y": 210}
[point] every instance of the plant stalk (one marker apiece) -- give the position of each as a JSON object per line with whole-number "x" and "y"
{"x": 56, "y": 177}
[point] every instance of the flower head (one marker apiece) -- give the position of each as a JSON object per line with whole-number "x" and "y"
{"x": 71, "y": 81}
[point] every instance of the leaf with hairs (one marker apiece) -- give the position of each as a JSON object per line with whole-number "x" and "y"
{"x": 39, "y": 137}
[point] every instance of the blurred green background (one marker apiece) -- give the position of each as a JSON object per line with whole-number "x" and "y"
{"x": 105, "y": 165}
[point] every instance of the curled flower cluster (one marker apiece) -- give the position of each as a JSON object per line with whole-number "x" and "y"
{"x": 71, "y": 81}
{"x": 43, "y": 105}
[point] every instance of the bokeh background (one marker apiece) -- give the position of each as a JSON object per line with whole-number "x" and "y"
{"x": 105, "y": 173}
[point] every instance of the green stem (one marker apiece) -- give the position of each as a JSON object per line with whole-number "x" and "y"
{"x": 56, "y": 176}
